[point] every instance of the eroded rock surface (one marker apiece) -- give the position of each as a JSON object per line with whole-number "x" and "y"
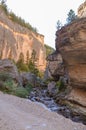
{"x": 8, "y": 67}
{"x": 16, "y": 39}
{"x": 55, "y": 65}
{"x": 71, "y": 42}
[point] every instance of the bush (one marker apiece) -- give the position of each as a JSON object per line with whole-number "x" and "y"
{"x": 22, "y": 67}
{"x": 29, "y": 87}
{"x": 21, "y": 92}
{"x": 8, "y": 85}
{"x": 60, "y": 85}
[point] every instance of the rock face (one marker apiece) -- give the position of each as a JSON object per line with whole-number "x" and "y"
{"x": 55, "y": 65}
{"x": 7, "y": 66}
{"x": 71, "y": 43}
{"x": 15, "y": 39}
{"x": 82, "y": 10}
{"x": 28, "y": 78}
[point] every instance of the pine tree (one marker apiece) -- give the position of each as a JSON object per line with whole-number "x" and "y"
{"x": 59, "y": 25}
{"x": 27, "y": 57}
{"x": 71, "y": 16}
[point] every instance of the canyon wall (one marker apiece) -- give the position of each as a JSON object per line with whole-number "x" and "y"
{"x": 71, "y": 43}
{"x": 71, "y": 47}
{"x": 16, "y": 39}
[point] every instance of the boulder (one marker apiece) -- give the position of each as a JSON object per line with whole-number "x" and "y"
{"x": 28, "y": 78}
{"x": 8, "y": 67}
{"x": 52, "y": 90}
{"x": 55, "y": 65}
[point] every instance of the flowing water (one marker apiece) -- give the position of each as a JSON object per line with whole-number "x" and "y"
{"x": 40, "y": 95}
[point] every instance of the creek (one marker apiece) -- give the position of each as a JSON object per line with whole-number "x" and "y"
{"x": 41, "y": 95}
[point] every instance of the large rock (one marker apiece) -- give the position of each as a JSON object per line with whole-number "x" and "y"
{"x": 55, "y": 65}
{"x": 7, "y": 67}
{"x": 71, "y": 42}
{"x": 28, "y": 78}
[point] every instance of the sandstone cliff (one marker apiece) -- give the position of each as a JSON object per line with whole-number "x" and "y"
{"x": 71, "y": 43}
{"x": 71, "y": 47}
{"x": 15, "y": 39}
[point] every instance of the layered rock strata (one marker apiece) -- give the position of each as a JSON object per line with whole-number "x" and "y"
{"x": 16, "y": 39}
{"x": 71, "y": 43}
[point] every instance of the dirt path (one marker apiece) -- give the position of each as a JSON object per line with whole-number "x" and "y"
{"x": 22, "y": 114}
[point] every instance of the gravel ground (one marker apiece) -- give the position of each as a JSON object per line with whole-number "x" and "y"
{"x": 22, "y": 114}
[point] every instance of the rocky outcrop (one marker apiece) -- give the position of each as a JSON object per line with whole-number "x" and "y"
{"x": 16, "y": 39}
{"x": 82, "y": 10}
{"x": 71, "y": 43}
{"x": 28, "y": 78}
{"x": 55, "y": 67}
{"x": 7, "y": 67}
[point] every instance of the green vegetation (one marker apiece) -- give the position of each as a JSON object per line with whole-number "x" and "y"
{"x": 8, "y": 85}
{"x": 21, "y": 92}
{"x": 4, "y": 6}
{"x": 49, "y": 50}
{"x": 71, "y": 16}
{"x": 60, "y": 85}
{"x": 20, "y": 63}
{"x": 30, "y": 65}
{"x": 58, "y": 25}
{"x": 15, "y": 18}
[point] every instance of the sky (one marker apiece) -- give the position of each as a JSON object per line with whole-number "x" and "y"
{"x": 44, "y": 14}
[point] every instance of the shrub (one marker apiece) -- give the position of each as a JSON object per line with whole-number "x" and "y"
{"x": 21, "y": 92}
{"x": 22, "y": 67}
{"x": 8, "y": 86}
{"x": 60, "y": 85}
{"x": 29, "y": 87}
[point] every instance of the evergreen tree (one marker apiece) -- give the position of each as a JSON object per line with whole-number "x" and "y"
{"x": 71, "y": 16}
{"x": 59, "y": 25}
{"x": 20, "y": 63}
{"x": 4, "y": 6}
{"x": 31, "y": 66}
{"x": 27, "y": 57}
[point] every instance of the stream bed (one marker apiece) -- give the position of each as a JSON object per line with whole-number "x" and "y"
{"x": 41, "y": 95}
